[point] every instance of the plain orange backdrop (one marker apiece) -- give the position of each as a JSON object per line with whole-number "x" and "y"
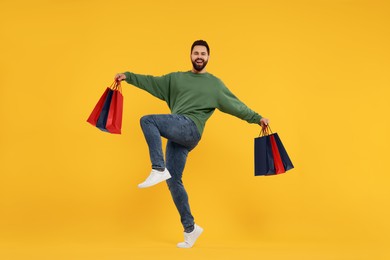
{"x": 318, "y": 69}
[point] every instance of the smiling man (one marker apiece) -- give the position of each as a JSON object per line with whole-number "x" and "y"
{"x": 192, "y": 97}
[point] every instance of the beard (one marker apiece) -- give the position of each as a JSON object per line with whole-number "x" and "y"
{"x": 199, "y": 67}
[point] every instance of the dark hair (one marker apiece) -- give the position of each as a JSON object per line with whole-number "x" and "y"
{"x": 201, "y": 43}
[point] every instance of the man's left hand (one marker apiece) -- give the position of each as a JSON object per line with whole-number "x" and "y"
{"x": 264, "y": 122}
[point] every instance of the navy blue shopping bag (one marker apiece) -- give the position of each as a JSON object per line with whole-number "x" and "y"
{"x": 102, "y": 120}
{"x": 264, "y": 161}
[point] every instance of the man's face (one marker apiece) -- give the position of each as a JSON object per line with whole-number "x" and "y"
{"x": 199, "y": 57}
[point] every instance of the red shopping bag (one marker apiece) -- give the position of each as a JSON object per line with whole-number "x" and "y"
{"x": 107, "y": 114}
{"x": 93, "y": 118}
{"x": 279, "y": 168}
{"x": 114, "y": 119}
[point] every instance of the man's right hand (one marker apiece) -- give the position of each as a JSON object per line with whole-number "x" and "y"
{"x": 120, "y": 77}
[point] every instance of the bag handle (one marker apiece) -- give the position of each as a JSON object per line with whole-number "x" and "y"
{"x": 116, "y": 85}
{"x": 265, "y": 130}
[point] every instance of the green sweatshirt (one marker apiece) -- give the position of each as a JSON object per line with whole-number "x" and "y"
{"x": 193, "y": 95}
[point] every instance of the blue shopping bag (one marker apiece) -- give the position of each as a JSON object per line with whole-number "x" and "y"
{"x": 264, "y": 162}
{"x": 102, "y": 120}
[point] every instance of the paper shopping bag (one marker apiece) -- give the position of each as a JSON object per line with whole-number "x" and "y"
{"x": 107, "y": 114}
{"x": 93, "y": 118}
{"x": 114, "y": 118}
{"x": 287, "y": 164}
{"x": 279, "y": 168}
{"x": 264, "y": 162}
{"x": 102, "y": 120}
{"x": 270, "y": 155}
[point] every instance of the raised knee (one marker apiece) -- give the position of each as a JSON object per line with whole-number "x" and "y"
{"x": 145, "y": 119}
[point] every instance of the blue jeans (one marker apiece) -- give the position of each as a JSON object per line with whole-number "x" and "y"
{"x": 183, "y": 136}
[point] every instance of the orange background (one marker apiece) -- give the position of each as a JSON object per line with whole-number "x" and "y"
{"x": 318, "y": 69}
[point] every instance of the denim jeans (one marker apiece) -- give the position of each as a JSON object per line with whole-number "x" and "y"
{"x": 182, "y": 135}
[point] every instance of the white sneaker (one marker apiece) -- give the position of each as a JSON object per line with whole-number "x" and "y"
{"x": 190, "y": 238}
{"x": 155, "y": 177}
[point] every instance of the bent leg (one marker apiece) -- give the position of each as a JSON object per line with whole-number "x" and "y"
{"x": 152, "y": 135}
{"x": 176, "y": 128}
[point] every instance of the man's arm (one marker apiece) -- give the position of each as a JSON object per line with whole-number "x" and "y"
{"x": 157, "y": 86}
{"x": 229, "y": 103}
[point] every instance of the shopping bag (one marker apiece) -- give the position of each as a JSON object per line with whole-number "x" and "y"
{"x": 279, "y": 168}
{"x": 102, "y": 120}
{"x": 264, "y": 162}
{"x": 288, "y": 165}
{"x": 93, "y": 118}
{"x": 107, "y": 114}
{"x": 114, "y": 118}
{"x": 270, "y": 155}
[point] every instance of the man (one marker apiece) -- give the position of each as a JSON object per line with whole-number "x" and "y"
{"x": 192, "y": 97}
